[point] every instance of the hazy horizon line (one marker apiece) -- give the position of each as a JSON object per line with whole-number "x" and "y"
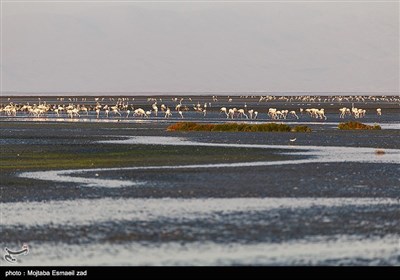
{"x": 189, "y": 93}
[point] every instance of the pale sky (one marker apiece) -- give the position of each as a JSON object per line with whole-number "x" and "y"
{"x": 200, "y": 47}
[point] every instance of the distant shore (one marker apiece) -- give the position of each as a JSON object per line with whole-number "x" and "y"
{"x": 146, "y": 94}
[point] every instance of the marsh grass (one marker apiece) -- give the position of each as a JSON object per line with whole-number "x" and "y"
{"x": 358, "y": 126}
{"x": 15, "y": 158}
{"x": 237, "y": 127}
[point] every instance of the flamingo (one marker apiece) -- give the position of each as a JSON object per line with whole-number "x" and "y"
{"x": 241, "y": 113}
{"x": 224, "y": 110}
{"x": 250, "y": 114}
{"x": 155, "y": 109}
{"x": 293, "y": 113}
{"x": 139, "y": 112}
{"x": 168, "y": 113}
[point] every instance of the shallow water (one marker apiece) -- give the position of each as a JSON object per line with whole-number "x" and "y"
{"x": 391, "y": 121}
{"x": 315, "y": 154}
{"x": 102, "y": 226}
{"x": 87, "y": 211}
{"x": 322, "y": 250}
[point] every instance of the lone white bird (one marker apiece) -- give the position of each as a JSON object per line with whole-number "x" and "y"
{"x": 292, "y": 139}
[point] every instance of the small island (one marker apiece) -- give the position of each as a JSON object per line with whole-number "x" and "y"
{"x": 358, "y": 126}
{"x": 237, "y": 127}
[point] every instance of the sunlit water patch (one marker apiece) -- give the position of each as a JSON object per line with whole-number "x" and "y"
{"x": 88, "y": 211}
{"x": 319, "y": 250}
{"x": 313, "y": 154}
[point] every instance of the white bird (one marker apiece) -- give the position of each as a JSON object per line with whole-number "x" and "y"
{"x": 292, "y": 140}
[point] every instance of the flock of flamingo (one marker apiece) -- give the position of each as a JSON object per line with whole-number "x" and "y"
{"x": 121, "y": 107}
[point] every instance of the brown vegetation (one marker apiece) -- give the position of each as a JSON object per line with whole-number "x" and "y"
{"x": 358, "y": 126}
{"x": 237, "y": 127}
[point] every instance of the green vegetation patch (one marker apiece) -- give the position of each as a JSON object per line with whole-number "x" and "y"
{"x": 237, "y": 127}
{"x": 358, "y": 126}
{"x": 16, "y": 158}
